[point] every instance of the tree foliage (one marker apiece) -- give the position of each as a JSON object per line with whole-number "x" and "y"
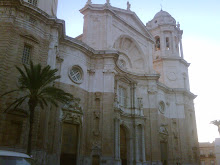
{"x": 35, "y": 87}
{"x": 216, "y": 123}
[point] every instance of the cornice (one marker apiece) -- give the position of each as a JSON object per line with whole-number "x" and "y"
{"x": 92, "y": 53}
{"x": 138, "y": 76}
{"x": 165, "y": 58}
{"x": 35, "y": 12}
{"x": 176, "y": 90}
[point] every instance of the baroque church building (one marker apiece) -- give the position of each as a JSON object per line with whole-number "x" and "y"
{"x": 132, "y": 101}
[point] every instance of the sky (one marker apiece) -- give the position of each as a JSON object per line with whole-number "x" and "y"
{"x": 200, "y": 22}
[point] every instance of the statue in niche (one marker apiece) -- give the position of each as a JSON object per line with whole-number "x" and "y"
{"x": 163, "y": 129}
{"x": 163, "y": 133}
{"x": 140, "y": 103}
{"x": 116, "y": 103}
{"x": 96, "y": 119}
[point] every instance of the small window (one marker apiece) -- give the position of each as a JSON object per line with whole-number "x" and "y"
{"x": 122, "y": 96}
{"x": 122, "y": 63}
{"x": 212, "y": 162}
{"x": 76, "y": 74}
{"x": 33, "y": 2}
{"x": 167, "y": 43}
{"x": 26, "y": 54}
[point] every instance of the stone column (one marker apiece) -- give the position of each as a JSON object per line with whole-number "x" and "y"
{"x": 181, "y": 48}
{"x": 134, "y": 99}
{"x": 117, "y": 143}
{"x": 143, "y": 145}
{"x": 162, "y": 44}
{"x": 173, "y": 43}
{"x": 136, "y": 144}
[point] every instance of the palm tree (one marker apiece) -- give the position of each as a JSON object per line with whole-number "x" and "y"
{"x": 217, "y": 123}
{"x": 36, "y": 88}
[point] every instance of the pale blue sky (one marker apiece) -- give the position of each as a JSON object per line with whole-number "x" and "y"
{"x": 200, "y": 22}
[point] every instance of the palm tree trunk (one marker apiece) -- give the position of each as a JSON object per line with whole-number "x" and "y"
{"x": 32, "y": 106}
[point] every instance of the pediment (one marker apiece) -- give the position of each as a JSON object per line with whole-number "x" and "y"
{"x": 131, "y": 19}
{"x": 125, "y": 78}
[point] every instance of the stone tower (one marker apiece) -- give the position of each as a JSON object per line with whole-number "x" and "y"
{"x": 49, "y": 6}
{"x": 168, "y": 53}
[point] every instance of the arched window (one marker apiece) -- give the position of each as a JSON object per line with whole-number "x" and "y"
{"x": 157, "y": 45}
{"x": 122, "y": 96}
{"x": 26, "y": 54}
{"x": 167, "y": 43}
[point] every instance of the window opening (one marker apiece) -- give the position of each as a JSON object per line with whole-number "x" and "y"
{"x": 167, "y": 43}
{"x": 157, "y": 45}
{"x": 122, "y": 63}
{"x": 76, "y": 74}
{"x": 26, "y": 54}
{"x": 33, "y": 2}
{"x": 122, "y": 96}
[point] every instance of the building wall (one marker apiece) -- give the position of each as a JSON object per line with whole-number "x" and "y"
{"x": 157, "y": 121}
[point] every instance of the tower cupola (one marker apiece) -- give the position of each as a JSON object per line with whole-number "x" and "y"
{"x": 167, "y": 35}
{"x": 48, "y": 6}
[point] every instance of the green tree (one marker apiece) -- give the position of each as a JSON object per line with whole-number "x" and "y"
{"x": 36, "y": 89}
{"x": 216, "y": 123}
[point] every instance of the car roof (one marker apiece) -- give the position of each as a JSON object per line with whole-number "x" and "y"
{"x": 14, "y": 154}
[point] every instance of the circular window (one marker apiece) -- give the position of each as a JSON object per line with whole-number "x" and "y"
{"x": 76, "y": 74}
{"x": 122, "y": 63}
{"x": 162, "y": 107}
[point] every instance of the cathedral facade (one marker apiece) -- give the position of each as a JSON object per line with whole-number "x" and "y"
{"x": 132, "y": 101}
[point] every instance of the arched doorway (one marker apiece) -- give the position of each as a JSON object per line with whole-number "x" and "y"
{"x": 123, "y": 146}
{"x": 69, "y": 144}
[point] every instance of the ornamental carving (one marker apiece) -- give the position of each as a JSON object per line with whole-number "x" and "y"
{"x": 163, "y": 132}
{"x": 72, "y": 112}
{"x": 172, "y": 76}
{"x": 140, "y": 103}
{"x": 70, "y": 117}
{"x": 73, "y": 106}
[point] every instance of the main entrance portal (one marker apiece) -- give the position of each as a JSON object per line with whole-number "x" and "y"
{"x": 69, "y": 144}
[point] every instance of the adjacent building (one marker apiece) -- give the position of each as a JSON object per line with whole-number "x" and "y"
{"x": 207, "y": 153}
{"x": 210, "y": 152}
{"x": 132, "y": 103}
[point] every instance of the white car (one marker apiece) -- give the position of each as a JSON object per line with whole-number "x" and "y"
{"x": 15, "y": 158}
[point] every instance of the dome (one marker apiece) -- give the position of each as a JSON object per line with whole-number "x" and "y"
{"x": 162, "y": 13}
{"x": 161, "y": 18}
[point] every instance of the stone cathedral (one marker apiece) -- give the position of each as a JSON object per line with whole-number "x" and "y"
{"x": 132, "y": 102}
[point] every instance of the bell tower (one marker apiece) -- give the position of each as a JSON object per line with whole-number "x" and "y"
{"x": 168, "y": 57}
{"x": 48, "y": 6}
